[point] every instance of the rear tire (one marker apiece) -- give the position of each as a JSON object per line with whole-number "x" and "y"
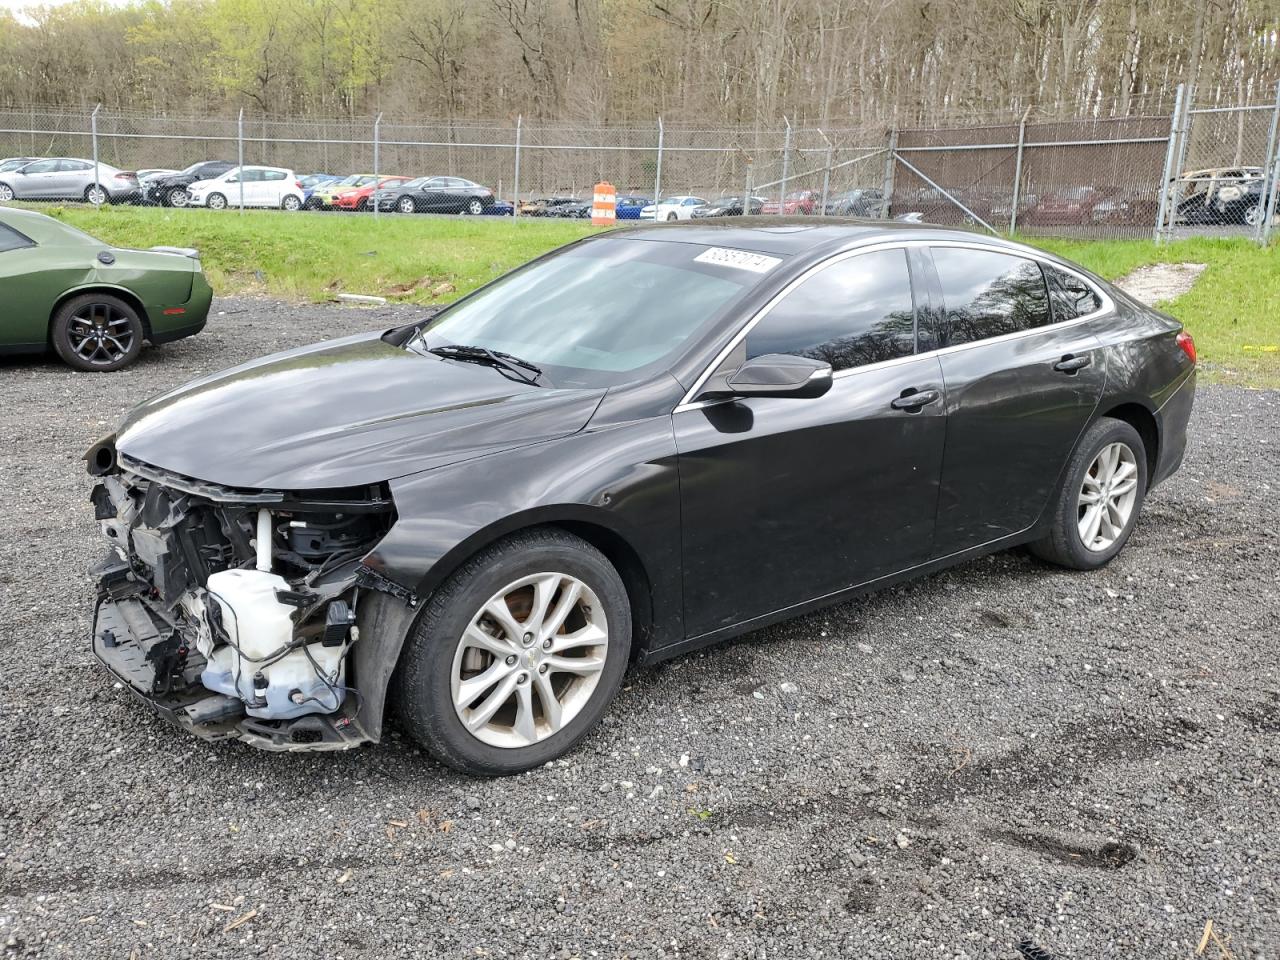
{"x": 1103, "y": 490}
{"x": 441, "y": 655}
{"x": 406, "y": 205}
{"x": 671, "y": 216}
{"x": 95, "y": 195}
{"x": 97, "y": 332}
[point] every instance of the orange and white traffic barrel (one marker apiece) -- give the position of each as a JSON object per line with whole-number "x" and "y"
{"x": 604, "y": 205}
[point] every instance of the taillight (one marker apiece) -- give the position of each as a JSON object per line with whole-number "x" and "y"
{"x": 298, "y": 184}
{"x": 1188, "y": 345}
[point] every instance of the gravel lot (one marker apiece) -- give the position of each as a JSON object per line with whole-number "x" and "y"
{"x": 1000, "y": 754}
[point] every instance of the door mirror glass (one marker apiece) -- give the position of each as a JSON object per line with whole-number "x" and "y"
{"x": 781, "y": 375}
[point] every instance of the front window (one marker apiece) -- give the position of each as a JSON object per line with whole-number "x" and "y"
{"x": 601, "y": 312}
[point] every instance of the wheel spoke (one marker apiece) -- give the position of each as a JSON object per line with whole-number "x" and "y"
{"x": 544, "y": 588}
{"x": 525, "y": 725}
{"x": 568, "y": 599}
{"x": 470, "y": 689}
{"x": 550, "y": 704}
{"x": 1089, "y": 525}
{"x": 1118, "y": 490}
{"x": 476, "y": 637}
{"x": 86, "y": 342}
{"x": 492, "y": 703}
{"x": 1123, "y": 471}
{"x": 498, "y": 611}
{"x": 583, "y": 666}
{"x": 588, "y": 636}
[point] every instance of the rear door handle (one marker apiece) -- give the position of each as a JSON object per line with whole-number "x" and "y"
{"x": 914, "y": 399}
{"x": 1070, "y": 364}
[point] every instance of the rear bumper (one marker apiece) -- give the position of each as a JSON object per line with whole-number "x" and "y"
{"x": 168, "y": 329}
{"x": 1171, "y": 421}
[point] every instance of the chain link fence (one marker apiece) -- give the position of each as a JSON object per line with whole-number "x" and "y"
{"x": 1201, "y": 169}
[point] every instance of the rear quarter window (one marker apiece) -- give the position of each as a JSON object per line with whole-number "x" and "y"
{"x": 11, "y": 239}
{"x": 1069, "y": 296}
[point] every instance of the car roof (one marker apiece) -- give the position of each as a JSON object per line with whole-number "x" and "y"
{"x": 791, "y": 235}
{"x": 39, "y": 227}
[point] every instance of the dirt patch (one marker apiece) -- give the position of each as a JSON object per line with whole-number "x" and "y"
{"x": 1161, "y": 281}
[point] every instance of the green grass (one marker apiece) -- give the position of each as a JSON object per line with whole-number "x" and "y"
{"x": 313, "y": 256}
{"x": 1233, "y": 311}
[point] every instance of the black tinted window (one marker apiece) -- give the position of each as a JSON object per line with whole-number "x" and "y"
{"x": 1070, "y": 296}
{"x": 11, "y": 239}
{"x": 988, "y": 294}
{"x": 854, "y": 312}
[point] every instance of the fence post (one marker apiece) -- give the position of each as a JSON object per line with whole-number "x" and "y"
{"x": 887, "y": 189}
{"x": 1183, "y": 132}
{"x": 786, "y": 165}
{"x": 1165, "y": 185}
{"x": 240, "y": 157}
{"x": 657, "y": 176}
{"x": 826, "y": 173}
{"x": 746, "y": 192}
{"x": 1017, "y": 172}
{"x": 97, "y": 176}
{"x": 377, "y": 129}
{"x": 1270, "y": 179}
{"x": 515, "y": 187}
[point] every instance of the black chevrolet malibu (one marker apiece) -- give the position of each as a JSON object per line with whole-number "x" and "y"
{"x": 484, "y": 517}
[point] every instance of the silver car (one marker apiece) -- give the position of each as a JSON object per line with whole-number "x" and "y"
{"x": 67, "y": 178}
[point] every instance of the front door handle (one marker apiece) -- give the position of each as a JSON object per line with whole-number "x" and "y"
{"x": 914, "y": 399}
{"x": 1070, "y": 364}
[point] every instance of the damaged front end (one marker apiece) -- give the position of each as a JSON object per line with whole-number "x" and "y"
{"x": 235, "y": 612}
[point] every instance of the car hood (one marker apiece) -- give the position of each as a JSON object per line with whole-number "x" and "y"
{"x": 344, "y": 413}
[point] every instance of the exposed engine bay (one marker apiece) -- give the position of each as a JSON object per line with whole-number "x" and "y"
{"x": 235, "y": 612}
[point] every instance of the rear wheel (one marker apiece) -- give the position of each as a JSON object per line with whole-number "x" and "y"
{"x": 1101, "y": 497}
{"x": 95, "y": 194}
{"x": 517, "y": 656}
{"x": 97, "y": 332}
{"x": 671, "y": 216}
{"x": 406, "y": 205}
{"x": 291, "y": 203}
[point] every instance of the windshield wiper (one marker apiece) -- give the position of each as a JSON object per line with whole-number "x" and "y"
{"x": 494, "y": 358}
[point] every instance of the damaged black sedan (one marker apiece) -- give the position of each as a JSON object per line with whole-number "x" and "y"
{"x": 479, "y": 520}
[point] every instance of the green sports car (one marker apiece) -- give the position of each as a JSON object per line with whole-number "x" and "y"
{"x": 92, "y": 303}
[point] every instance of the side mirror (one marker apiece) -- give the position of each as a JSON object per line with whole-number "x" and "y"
{"x": 781, "y": 375}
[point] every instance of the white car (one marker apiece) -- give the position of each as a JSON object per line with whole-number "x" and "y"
{"x": 263, "y": 187}
{"x": 672, "y": 208}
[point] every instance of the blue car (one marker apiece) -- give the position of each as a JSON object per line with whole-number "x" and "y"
{"x": 500, "y": 208}
{"x": 311, "y": 183}
{"x": 629, "y": 207}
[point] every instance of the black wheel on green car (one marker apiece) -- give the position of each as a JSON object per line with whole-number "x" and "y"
{"x": 97, "y": 332}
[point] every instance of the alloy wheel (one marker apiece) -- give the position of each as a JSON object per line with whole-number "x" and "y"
{"x": 216, "y": 201}
{"x": 1107, "y": 496}
{"x": 96, "y": 195}
{"x": 100, "y": 334}
{"x": 529, "y": 660}
{"x": 406, "y": 205}
{"x": 6, "y": 193}
{"x": 475, "y": 207}
{"x": 292, "y": 203}
{"x": 178, "y": 197}
{"x": 1253, "y": 216}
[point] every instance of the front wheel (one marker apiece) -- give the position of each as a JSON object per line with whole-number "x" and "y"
{"x": 517, "y": 656}
{"x": 1253, "y": 216}
{"x": 6, "y": 193}
{"x": 216, "y": 201}
{"x": 475, "y": 206}
{"x": 177, "y": 197}
{"x": 97, "y": 332}
{"x": 1101, "y": 497}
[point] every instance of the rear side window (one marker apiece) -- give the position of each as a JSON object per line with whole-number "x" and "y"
{"x": 1070, "y": 296}
{"x": 989, "y": 294}
{"x": 273, "y": 175}
{"x": 11, "y": 239}
{"x": 854, "y": 312}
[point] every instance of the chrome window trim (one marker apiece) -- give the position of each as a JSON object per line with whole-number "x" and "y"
{"x": 1108, "y": 305}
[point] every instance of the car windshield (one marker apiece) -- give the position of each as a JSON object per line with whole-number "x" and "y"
{"x": 599, "y": 313}
{"x": 193, "y": 169}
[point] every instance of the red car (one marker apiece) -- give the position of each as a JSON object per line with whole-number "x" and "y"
{"x": 801, "y": 201}
{"x": 357, "y": 198}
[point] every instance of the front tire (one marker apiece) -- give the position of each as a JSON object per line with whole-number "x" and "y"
{"x": 475, "y": 206}
{"x": 1101, "y": 497}
{"x": 517, "y": 656}
{"x": 97, "y": 332}
{"x": 216, "y": 201}
{"x": 177, "y": 197}
{"x": 6, "y": 193}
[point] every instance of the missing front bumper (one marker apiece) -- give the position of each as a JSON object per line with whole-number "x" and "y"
{"x": 148, "y": 658}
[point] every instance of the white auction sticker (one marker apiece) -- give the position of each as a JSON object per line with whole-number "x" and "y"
{"x": 738, "y": 259}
